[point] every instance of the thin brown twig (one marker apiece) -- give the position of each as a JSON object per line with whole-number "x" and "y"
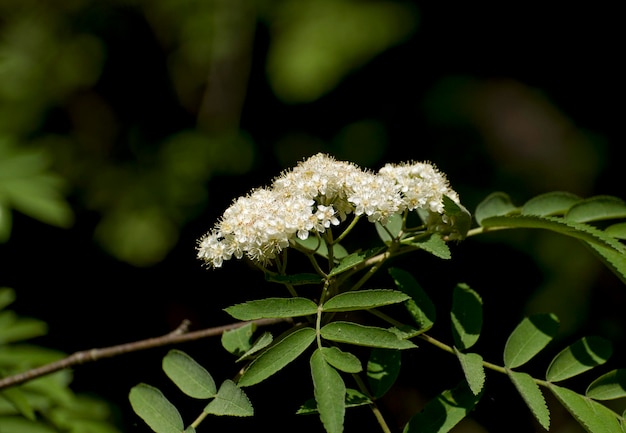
{"x": 179, "y": 335}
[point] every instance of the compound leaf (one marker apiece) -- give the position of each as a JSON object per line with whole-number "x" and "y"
{"x": 354, "y": 398}
{"x": 238, "y": 341}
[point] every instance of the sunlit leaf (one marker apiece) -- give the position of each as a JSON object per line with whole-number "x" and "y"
{"x": 363, "y": 300}
{"x": 330, "y": 393}
{"x": 473, "y": 369}
{"x": 230, "y": 401}
{"x": 443, "y": 412}
{"x": 593, "y": 416}
{"x": 383, "y": 368}
{"x": 354, "y": 398}
{"x": 238, "y": 341}
{"x": 609, "y": 386}
{"x": 551, "y": 203}
{"x": 532, "y": 395}
{"x": 277, "y": 356}
{"x": 579, "y": 357}
{"x": 466, "y": 316}
{"x": 272, "y": 307}
{"x": 433, "y": 244}
{"x": 616, "y": 230}
{"x": 420, "y": 307}
{"x": 495, "y": 204}
{"x": 353, "y": 333}
{"x": 341, "y": 360}
{"x": 155, "y": 409}
{"x": 192, "y": 378}
{"x": 597, "y": 208}
{"x": 529, "y": 338}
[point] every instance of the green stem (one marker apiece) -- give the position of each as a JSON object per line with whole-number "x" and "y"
{"x": 373, "y": 407}
{"x": 347, "y": 230}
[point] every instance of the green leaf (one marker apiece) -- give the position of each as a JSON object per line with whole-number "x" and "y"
{"x": 354, "y": 398}
{"x": 612, "y": 259}
{"x": 341, "y": 360}
{"x": 597, "y": 208}
{"x": 432, "y": 243}
{"x": 495, "y": 204}
{"x": 15, "y": 424}
{"x": 188, "y": 375}
{"x": 6, "y": 223}
{"x": 330, "y": 393}
{"x": 383, "y": 368}
{"x": 354, "y": 259}
{"x": 352, "y": 333}
{"x": 609, "y": 386}
{"x": 459, "y": 219}
{"x": 156, "y": 410}
{"x": 277, "y": 356}
{"x": 295, "y": 279}
{"x": 15, "y": 328}
{"x": 551, "y": 203}
{"x": 272, "y": 307}
{"x": 363, "y": 300}
{"x": 230, "y": 401}
{"x": 391, "y": 230}
{"x": 472, "y": 365}
{"x": 581, "y": 231}
{"x": 616, "y": 230}
{"x": 443, "y": 412}
{"x": 529, "y": 338}
{"x": 420, "y": 307}
{"x": 532, "y": 395}
{"x": 19, "y": 401}
{"x": 593, "y": 416}
{"x": 579, "y": 357}
{"x": 466, "y": 315}
{"x": 7, "y": 297}
{"x": 261, "y": 343}
{"x": 238, "y": 341}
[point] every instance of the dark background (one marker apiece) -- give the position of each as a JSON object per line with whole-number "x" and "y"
{"x": 520, "y": 99}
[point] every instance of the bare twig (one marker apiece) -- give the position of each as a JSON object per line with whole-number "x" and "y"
{"x": 179, "y": 335}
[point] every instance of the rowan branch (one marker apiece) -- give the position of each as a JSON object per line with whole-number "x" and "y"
{"x": 179, "y": 335}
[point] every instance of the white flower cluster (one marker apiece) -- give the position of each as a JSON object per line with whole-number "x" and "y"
{"x": 316, "y": 194}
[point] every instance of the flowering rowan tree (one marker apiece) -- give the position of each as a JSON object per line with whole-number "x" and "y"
{"x": 311, "y": 210}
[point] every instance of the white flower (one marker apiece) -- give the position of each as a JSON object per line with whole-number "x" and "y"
{"x": 316, "y": 194}
{"x": 421, "y": 184}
